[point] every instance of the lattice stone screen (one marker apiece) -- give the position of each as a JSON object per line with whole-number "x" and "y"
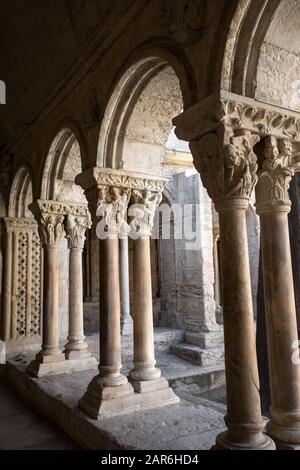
{"x": 22, "y": 300}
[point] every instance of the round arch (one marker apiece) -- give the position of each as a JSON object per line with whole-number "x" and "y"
{"x": 21, "y": 194}
{"x": 249, "y": 26}
{"x": 63, "y": 163}
{"x": 127, "y": 96}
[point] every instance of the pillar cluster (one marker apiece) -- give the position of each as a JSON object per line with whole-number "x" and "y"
{"x": 239, "y": 144}
{"x": 56, "y": 220}
{"x": 123, "y": 204}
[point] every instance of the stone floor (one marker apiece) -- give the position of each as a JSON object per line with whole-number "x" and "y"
{"x": 23, "y": 428}
{"x": 191, "y": 425}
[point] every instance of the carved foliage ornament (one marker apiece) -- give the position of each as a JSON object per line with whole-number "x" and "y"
{"x": 227, "y": 171}
{"x": 259, "y": 119}
{"x": 142, "y": 211}
{"x": 276, "y": 172}
{"x": 75, "y": 228}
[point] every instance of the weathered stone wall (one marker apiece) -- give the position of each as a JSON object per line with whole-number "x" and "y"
{"x": 278, "y": 75}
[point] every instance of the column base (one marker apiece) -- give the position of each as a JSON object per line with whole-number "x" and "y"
{"x": 285, "y": 435}
{"x": 262, "y": 442}
{"x": 286, "y": 446}
{"x": 45, "y": 365}
{"x": 127, "y": 327}
{"x": 79, "y": 354}
{"x": 100, "y": 400}
{"x": 58, "y": 364}
{"x": 155, "y": 391}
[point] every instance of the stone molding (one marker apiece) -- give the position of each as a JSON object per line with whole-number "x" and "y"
{"x": 20, "y": 223}
{"x": 98, "y": 176}
{"x": 237, "y": 113}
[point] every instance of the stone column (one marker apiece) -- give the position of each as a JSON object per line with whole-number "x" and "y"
{"x": 219, "y": 130}
{"x": 145, "y": 377}
{"x": 273, "y": 205}
{"x": 75, "y": 228}
{"x": 51, "y": 229}
{"x": 228, "y": 167}
{"x": 109, "y": 392}
{"x": 7, "y": 300}
{"x": 217, "y": 286}
{"x": 126, "y": 320}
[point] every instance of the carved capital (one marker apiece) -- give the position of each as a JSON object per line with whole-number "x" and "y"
{"x": 142, "y": 211}
{"x": 108, "y": 192}
{"x": 227, "y": 164}
{"x": 275, "y": 174}
{"x": 50, "y": 219}
{"x": 75, "y": 228}
{"x": 112, "y": 202}
{"x": 51, "y": 229}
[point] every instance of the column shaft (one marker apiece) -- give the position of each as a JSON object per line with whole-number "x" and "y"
{"x": 110, "y": 334}
{"x": 76, "y": 346}
{"x": 50, "y": 346}
{"x": 144, "y": 361}
{"x": 243, "y": 401}
{"x": 7, "y": 288}
{"x": 126, "y": 320}
{"x": 281, "y": 324}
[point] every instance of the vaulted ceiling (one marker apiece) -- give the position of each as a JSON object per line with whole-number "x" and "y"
{"x": 40, "y": 42}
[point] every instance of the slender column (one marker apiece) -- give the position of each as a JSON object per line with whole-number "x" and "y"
{"x": 228, "y": 167}
{"x": 7, "y": 287}
{"x": 51, "y": 230}
{"x": 273, "y": 206}
{"x": 126, "y": 320}
{"x": 76, "y": 226}
{"x": 14, "y": 289}
{"x": 108, "y": 391}
{"x": 217, "y": 286}
{"x": 145, "y": 377}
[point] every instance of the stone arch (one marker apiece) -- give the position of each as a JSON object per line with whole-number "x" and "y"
{"x": 128, "y": 106}
{"x": 260, "y": 32}
{"x": 63, "y": 163}
{"x": 21, "y": 194}
{"x": 247, "y": 31}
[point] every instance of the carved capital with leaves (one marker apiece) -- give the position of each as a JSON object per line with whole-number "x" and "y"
{"x": 142, "y": 210}
{"x": 275, "y": 173}
{"x": 75, "y": 228}
{"x": 227, "y": 164}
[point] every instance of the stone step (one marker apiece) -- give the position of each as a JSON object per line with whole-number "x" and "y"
{"x": 197, "y": 355}
{"x": 164, "y": 338}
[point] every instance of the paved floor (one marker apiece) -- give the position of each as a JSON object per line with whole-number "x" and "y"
{"x": 22, "y": 428}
